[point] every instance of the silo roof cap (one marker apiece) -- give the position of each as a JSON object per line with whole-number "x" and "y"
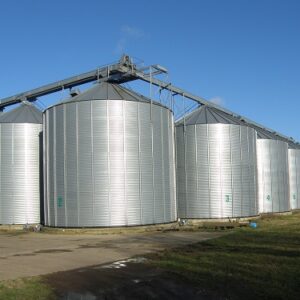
{"x": 24, "y": 113}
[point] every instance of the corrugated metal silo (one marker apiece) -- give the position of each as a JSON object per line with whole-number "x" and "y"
{"x": 273, "y": 173}
{"x": 294, "y": 176}
{"x": 109, "y": 160}
{"x": 20, "y": 131}
{"x": 216, "y": 166}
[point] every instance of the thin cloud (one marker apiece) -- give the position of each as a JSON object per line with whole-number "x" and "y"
{"x": 217, "y": 100}
{"x": 120, "y": 47}
{"x": 132, "y": 32}
{"x": 128, "y": 33}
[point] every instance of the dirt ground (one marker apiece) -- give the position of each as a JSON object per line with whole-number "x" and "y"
{"x": 32, "y": 254}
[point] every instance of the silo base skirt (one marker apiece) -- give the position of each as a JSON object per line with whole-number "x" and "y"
{"x": 115, "y": 229}
{"x": 219, "y": 220}
{"x": 283, "y": 213}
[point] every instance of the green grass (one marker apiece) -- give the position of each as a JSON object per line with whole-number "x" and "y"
{"x": 262, "y": 263}
{"x": 25, "y": 289}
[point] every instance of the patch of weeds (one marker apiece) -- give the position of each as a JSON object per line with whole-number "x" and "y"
{"x": 26, "y": 289}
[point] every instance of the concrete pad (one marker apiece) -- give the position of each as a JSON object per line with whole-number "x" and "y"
{"x": 32, "y": 254}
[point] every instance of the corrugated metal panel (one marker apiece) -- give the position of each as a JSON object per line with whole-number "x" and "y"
{"x": 216, "y": 171}
{"x": 146, "y": 163}
{"x": 273, "y": 181}
{"x": 85, "y": 165}
{"x": 131, "y": 159}
{"x": 112, "y": 164}
{"x": 19, "y": 175}
{"x": 294, "y": 178}
{"x": 59, "y": 166}
{"x": 116, "y": 163}
{"x": 172, "y": 169}
{"x": 49, "y": 158}
{"x": 70, "y": 154}
{"x": 101, "y": 164}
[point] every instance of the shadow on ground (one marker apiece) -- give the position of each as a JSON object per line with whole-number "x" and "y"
{"x": 123, "y": 280}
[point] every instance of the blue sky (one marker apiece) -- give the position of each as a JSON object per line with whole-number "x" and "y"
{"x": 242, "y": 54}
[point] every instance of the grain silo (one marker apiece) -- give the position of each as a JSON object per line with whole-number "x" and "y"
{"x": 20, "y": 132}
{"x": 294, "y": 175}
{"x": 273, "y": 172}
{"x": 216, "y": 166}
{"x": 109, "y": 160}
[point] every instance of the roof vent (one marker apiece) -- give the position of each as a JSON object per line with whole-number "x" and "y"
{"x": 26, "y": 102}
{"x": 74, "y": 92}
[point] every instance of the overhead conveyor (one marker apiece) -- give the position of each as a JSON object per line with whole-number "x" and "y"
{"x": 113, "y": 72}
{"x": 121, "y": 72}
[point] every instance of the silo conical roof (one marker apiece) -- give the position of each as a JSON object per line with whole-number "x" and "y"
{"x": 208, "y": 115}
{"x": 294, "y": 145}
{"x": 266, "y": 134}
{"x": 109, "y": 91}
{"x": 25, "y": 113}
